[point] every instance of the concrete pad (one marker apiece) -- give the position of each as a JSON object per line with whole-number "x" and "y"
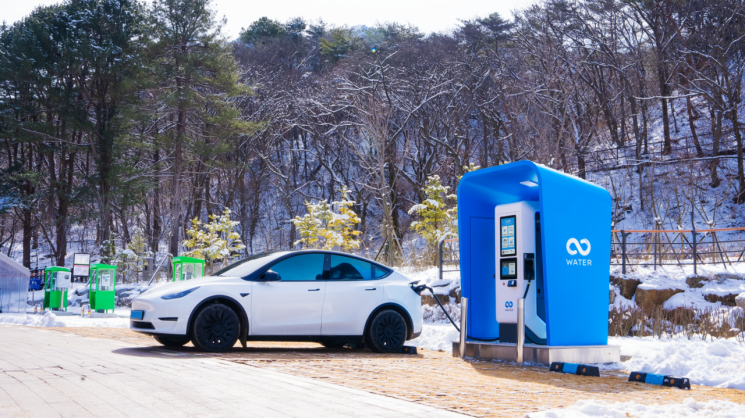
{"x": 52, "y": 374}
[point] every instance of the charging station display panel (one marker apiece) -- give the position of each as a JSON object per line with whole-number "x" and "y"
{"x": 507, "y": 235}
{"x": 508, "y": 269}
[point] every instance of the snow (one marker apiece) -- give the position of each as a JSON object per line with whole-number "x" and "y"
{"x": 718, "y": 281}
{"x": 688, "y": 408}
{"x": 68, "y": 319}
{"x": 436, "y": 337}
{"x": 719, "y": 363}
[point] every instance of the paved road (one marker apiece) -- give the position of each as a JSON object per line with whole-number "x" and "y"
{"x": 47, "y": 374}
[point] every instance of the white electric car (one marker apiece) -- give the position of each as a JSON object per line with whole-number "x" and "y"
{"x": 318, "y": 296}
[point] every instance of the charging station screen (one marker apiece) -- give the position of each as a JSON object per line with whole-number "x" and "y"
{"x": 508, "y": 269}
{"x": 507, "y": 235}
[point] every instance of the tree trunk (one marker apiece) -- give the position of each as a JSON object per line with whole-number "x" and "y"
{"x": 689, "y": 106}
{"x": 716, "y": 135}
{"x": 740, "y": 198}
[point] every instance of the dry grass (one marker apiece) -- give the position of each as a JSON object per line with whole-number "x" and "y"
{"x": 478, "y": 388}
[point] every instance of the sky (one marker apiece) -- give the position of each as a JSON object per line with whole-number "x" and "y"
{"x": 427, "y": 15}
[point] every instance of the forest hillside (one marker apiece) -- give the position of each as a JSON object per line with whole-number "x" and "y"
{"x": 125, "y": 125}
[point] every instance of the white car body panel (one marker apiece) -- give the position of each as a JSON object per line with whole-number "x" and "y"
{"x": 283, "y": 308}
{"x": 287, "y": 308}
{"x": 348, "y": 304}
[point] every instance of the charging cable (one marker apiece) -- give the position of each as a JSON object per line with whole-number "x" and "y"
{"x": 451, "y": 319}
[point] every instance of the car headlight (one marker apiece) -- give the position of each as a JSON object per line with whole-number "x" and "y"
{"x": 179, "y": 294}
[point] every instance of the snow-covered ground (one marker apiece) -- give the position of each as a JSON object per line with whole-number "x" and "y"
{"x": 719, "y": 363}
{"x": 688, "y": 408}
{"x": 719, "y": 281}
{"x": 120, "y": 319}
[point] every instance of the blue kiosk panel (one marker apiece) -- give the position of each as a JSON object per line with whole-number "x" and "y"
{"x": 575, "y": 249}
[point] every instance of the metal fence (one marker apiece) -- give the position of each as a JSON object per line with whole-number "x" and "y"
{"x": 657, "y": 247}
{"x": 448, "y": 256}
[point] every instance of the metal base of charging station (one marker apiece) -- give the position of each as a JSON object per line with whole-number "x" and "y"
{"x": 541, "y": 354}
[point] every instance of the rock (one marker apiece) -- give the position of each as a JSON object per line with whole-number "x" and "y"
{"x": 455, "y": 295}
{"x": 428, "y": 299}
{"x": 726, "y": 276}
{"x": 654, "y": 297}
{"x": 727, "y": 300}
{"x": 740, "y": 300}
{"x": 626, "y": 286}
{"x": 612, "y": 297}
{"x": 694, "y": 282}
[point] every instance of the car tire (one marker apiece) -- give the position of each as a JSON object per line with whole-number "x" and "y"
{"x": 387, "y": 332}
{"x": 216, "y": 328}
{"x": 171, "y": 341}
{"x": 335, "y": 344}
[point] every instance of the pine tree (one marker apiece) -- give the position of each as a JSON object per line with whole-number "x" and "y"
{"x": 216, "y": 240}
{"x": 322, "y": 228}
{"x": 196, "y": 81}
{"x": 436, "y": 222}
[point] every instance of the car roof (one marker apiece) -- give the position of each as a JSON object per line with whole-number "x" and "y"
{"x": 310, "y": 250}
{"x": 285, "y": 254}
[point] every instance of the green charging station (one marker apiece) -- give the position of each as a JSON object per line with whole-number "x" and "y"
{"x": 187, "y": 268}
{"x": 56, "y": 283}
{"x": 102, "y": 287}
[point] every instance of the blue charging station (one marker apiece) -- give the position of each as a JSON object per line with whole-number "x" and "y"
{"x": 526, "y": 229}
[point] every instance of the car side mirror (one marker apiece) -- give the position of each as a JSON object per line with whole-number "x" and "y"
{"x": 270, "y": 276}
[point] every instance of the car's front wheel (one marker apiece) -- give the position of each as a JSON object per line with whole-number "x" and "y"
{"x": 169, "y": 341}
{"x": 387, "y": 332}
{"x": 216, "y": 328}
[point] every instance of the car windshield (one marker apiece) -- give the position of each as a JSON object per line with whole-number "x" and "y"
{"x": 249, "y": 265}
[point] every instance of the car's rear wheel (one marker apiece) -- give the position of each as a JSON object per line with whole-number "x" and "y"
{"x": 216, "y": 328}
{"x": 168, "y": 341}
{"x": 387, "y": 332}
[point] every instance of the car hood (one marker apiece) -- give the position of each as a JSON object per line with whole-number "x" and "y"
{"x": 175, "y": 287}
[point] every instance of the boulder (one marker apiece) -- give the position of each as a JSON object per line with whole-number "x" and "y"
{"x": 726, "y": 276}
{"x": 626, "y": 286}
{"x": 740, "y": 300}
{"x": 727, "y": 300}
{"x": 695, "y": 282}
{"x": 428, "y": 299}
{"x": 612, "y": 296}
{"x": 654, "y": 297}
{"x": 455, "y": 295}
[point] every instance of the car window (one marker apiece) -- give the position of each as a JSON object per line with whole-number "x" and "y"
{"x": 246, "y": 266}
{"x": 300, "y": 267}
{"x": 348, "y": 268}
{"x": 379, "y": 272}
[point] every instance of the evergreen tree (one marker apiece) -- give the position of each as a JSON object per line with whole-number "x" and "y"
{"x": 196, "y": 79}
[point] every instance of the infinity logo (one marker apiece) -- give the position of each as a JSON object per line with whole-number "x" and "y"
{"x": 578, "y": 246}
{"x": 508, "y": 304}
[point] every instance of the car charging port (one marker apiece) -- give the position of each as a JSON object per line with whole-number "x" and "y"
{"x": 417, "y": 288}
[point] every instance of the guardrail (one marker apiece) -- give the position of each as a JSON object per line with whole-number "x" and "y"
{"x": 675, "y": 247}
{"x": 449, "y": 255}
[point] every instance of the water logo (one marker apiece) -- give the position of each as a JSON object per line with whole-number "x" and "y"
{"x": 508, "y": 304}
{"x": 578, "y": 246}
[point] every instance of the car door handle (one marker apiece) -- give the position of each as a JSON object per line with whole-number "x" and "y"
{"x": 371, "y": 289}
{"x": 313, "y": 290}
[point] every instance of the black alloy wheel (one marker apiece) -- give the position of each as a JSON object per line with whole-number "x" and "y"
{"x": 171, "y": 341}
{"x": 387, "y": 332}
{"x": 216, "y": 328}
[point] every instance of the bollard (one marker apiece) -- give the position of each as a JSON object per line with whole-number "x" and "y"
{"x": 463, "y": 315}
{"x": 520, "y": 329}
